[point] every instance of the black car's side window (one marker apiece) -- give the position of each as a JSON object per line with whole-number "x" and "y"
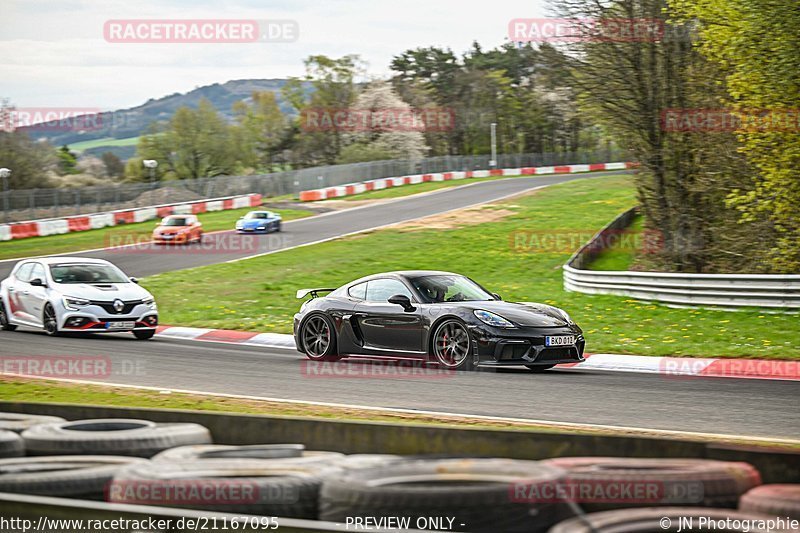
{"x": 380, "y": 290}
{"x": 358, "y": 291}
{"x": 24, "y": 272}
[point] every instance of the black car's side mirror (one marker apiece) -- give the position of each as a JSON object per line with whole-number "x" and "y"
{"x": 135, "y": 280}
{"x": 497, "y": 296}
{"x": 38, "y": 282}
{"x": 402, "y": 300}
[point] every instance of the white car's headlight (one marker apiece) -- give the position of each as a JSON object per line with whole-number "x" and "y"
{"x": 149, "y": 301}
{"x": 72, "y": 303}
{"x": 492, "y": 319}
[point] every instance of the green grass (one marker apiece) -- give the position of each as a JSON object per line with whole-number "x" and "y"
{"x": 105, "y": 141}
{"x": 622, "y": 255}
{"x": 101, "y": 238}
{"x": 258, "y": 294}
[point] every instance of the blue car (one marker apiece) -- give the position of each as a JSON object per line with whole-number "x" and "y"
{"x": 259, "y": 222}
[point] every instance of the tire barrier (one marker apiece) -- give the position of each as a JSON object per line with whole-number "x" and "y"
{"x": 140, "y": 438}
{"x": 774, "y": 500}
{"x": 64, "y": 476}
{"x": 11, "y": 444}
{"x": 656, "y": 482}
{"x": 261, "y": 487}
{"x": 217, "y": 451}
{"x": 19, "y": 422}
{"x": 428, "y": 492}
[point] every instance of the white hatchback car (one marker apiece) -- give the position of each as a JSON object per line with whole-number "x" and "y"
{"x": 61, "y": 294}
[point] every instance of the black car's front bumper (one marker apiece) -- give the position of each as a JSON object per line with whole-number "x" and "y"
{"x": 525, "y": 346}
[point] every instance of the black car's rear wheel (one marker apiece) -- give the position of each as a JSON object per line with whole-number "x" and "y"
{"x": 5, "y": 325}
{"x": 452, "y": 345}
{"x": 318, "y": 338}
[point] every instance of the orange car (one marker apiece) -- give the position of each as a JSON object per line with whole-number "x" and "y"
{"x": 178, "y": 229}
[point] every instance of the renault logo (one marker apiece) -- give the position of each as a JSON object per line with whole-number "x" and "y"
{"x": 118, "y": 306}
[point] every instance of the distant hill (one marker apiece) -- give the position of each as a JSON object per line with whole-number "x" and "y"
{"x": 125, "y": 123}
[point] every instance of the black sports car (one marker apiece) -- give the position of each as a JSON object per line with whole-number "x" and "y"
{"x": 437, "y": 316}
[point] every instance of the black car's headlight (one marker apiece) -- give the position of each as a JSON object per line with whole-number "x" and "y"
{"x": 73, "y": 303}
{"x": 492, "y": 319}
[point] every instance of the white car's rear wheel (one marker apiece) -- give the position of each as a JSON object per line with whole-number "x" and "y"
{"x": 5, "y": 325}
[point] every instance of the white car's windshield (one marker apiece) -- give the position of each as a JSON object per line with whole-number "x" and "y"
{"x": 449, "y": 288}
{"x": 86, "y": 273}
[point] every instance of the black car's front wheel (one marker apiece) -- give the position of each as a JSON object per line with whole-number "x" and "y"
{"x": 451, "y": 346}
{"x": 318, "y": 338}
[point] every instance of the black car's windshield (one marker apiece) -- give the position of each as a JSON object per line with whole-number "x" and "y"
{"x": 252, "y": 216}
{"x": 173, "y": 221}
{"x": 449, "y": 288}
{"x": 86, "y": 273}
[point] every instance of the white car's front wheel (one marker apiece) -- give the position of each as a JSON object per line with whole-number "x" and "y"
{"x": 49, "y": 320}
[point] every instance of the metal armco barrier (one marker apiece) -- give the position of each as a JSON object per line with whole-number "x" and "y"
{"x": 716, "y": 290}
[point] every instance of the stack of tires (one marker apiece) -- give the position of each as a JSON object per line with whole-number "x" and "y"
{"x": 176, "y": 465}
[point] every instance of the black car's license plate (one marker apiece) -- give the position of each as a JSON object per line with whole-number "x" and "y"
{"x": 560, "y": 340}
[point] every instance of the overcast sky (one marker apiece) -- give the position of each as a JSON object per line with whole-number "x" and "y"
{"x": 53, "y": 53}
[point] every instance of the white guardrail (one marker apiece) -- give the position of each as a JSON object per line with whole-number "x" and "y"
{"x": 714, "y": 290}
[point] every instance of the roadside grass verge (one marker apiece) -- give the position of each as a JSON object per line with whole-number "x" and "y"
{"x": 101, "y": 238}
{"x": 16, "y": 389}
{"x": 621, "y": 256}
{"x": 258, "y": 294}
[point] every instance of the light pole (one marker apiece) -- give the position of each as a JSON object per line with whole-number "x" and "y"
{"x": 493, "y": 128}
{"x": 5, "y": 173}
{"x": 151, "y": 164}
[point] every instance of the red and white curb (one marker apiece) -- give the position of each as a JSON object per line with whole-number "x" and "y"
{"x": 384, "y": 183}
{"x": 58, "y": 226}
{"x": 666, "y": 366}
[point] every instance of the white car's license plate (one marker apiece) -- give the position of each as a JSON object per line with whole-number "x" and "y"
{"x": 560, "y": 340}
{"x": 120, "y": 325}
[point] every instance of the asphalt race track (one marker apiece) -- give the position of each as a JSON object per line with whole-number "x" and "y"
{"x": 147, "y": 259}
{"x": 747, "y": 407}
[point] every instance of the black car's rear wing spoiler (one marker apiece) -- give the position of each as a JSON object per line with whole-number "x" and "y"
{"x": 302, "y": 293}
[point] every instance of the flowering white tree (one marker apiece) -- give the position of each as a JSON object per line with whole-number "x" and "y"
{"x": 382, "y": 126}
